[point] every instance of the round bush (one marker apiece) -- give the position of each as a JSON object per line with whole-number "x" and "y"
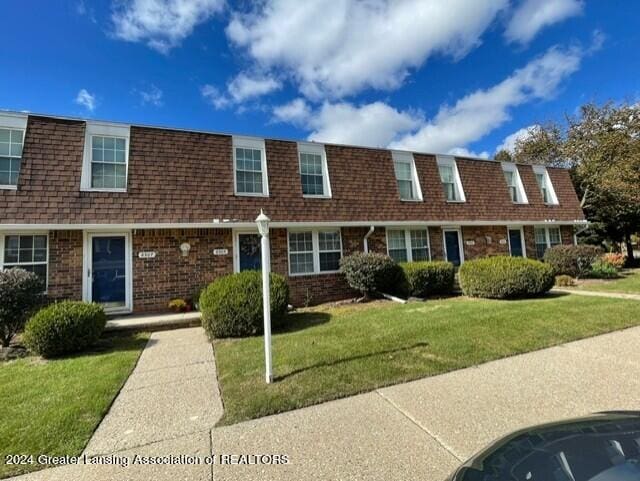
{"x": 20, "y": 295}
{"x": 231, "y": 306}
{"x": 372, "y": 274}
{"x": 429, "y": 278}
{"x": 502, "y": 277}
{"x": 64, "y": 327}
{"x": 574, "y": 261}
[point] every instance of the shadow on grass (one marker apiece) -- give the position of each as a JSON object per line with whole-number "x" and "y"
{"x": 111, "y": 343}
{"x": 417, "y": 345}
{"x": 298, "y": 321}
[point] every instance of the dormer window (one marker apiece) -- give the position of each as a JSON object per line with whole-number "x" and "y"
{"x": 250, "y": 167}
{"x": 314, "y": 175}
{"x": 545, "y": 185}
{"x": 12, "y": 129}
{"x": 406, "y": 176}
{"x": 106, "y": 157}
{"x": 450, "y": 178}
{"x": 514, "y": 183}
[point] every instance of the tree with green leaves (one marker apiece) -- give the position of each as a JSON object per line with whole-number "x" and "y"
{"x": 601, "y": 147}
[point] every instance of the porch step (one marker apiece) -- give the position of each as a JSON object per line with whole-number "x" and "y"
{"x": 153, "y": 322}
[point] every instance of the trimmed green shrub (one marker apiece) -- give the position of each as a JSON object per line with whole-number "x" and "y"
{"x": 503, "y": 277}
{"x": 231, "y": 306}
{"x": 429, "y": 278}
{"x": 565, "y": 281}
{"x": 21, "y": 292}
{"x": 64, "y": 327}
{"x": 372, "y": 274}
{"x": 574, "y": 261}
{"x": 601, "y": 269}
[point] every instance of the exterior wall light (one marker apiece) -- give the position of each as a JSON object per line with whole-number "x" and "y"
{"x": 185, "y": 247}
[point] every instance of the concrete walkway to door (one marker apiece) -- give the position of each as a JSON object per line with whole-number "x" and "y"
{"x": 420, "y": 430}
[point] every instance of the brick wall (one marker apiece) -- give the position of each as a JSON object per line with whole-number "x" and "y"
{"x": 169, "y": 275}
{"x": 486, "y": 241}
{"x": 65, "y": 265}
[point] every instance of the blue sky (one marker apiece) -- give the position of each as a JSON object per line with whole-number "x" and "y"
{"x": 425, "y": 75}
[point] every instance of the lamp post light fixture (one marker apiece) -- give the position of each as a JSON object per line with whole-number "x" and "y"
{"x": 263, "y": 228}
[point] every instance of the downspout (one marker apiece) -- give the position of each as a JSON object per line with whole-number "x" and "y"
{"x": 578, "y": 232}
{"x": 366, "y": 243}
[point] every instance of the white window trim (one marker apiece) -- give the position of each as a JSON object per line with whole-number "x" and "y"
{"x": 449, "y": 160}
{"x": 522, "y": 239}
{"x": 511, "y": 167}
{"x": 408, "y": 157}
{"x": 407, "y": 240}
{"x": 316, "y": 251}
{"x": 103, "y": 130}
{"x": 25, "y": 233}
{"x": 256, "y": 144}
{"x": 460, "y": 242}
{"x": 86, "y": 268}
{"x": 14, "y": 122}
{"x": 547, "y": 236}
{"x": 541, "y": 169}
{"x": 318, "y": 149}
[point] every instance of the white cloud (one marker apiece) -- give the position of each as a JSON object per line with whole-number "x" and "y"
{"x": 87, "y": 100}
{"x": 452, "y": 128}
{"x": 464, "y": 152}
{"x": 240, "y": 89}
{"x": 531, "y": 16}
{"x": 478, "y": 113}
{"x": 152, "y": 96}
{"x": 162, "y": 24}
{"x": 375, "y": 124}
{"x": 333, "y": 48}
{"x": 509, "y": 141}
{"x": 296, "y": 112}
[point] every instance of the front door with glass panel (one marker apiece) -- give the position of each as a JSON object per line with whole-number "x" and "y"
{"x": 249, "y": 253}
{"x": 108, "y": 275}
{"x": 515, "y": 242}
{"x": 452, "y": 246}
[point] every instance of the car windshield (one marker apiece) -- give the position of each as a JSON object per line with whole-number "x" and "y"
{"x": 605, "y": 449}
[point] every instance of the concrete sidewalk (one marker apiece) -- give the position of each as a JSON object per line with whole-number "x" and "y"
{"x": 420, "y": 430}
{"x": 613, "y": 295}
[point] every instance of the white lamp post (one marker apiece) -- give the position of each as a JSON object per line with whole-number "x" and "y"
{"x": 263, "y": 228}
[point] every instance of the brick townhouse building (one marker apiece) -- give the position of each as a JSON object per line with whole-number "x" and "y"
{"x": 133, "y": 216}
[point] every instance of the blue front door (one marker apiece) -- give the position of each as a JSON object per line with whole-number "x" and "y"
{"x": 249, "y": 252}
{"x": 515, "y": 242}
{"x": 452, "y": 245}
{"x": 108, "y": 271}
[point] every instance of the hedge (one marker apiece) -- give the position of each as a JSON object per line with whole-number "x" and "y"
{"x": 20, "y": 295}
{"x": 574, "y": 261}
{"x": 64, "y": 327}
{"x": 373, "y": 274}
{"x": 231, "y": 306}
{"x": 503, "y": 277}
{"x": 429, "y": 278}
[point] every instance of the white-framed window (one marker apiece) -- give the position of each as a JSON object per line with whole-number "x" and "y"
{"x": 106, "y": 157}
{"x": 450, "y": 178}
{"x": 408, "y": 245}
{"x": 314, "y": 251}
{"x": 250, "y": 167}
{"x": 546, "y": 237}
{"x": 12, "y": 131}
{"x": 404, "y": 167}
{"x": 514, "y": 183}
{"x": 314, "y": 174}
{"x": 544, "y": 183}
{"x": 27, "y": 251}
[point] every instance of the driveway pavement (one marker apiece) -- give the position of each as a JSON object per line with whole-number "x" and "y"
{"x": 419, "y": 430}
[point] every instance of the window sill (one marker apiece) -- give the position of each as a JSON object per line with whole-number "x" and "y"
{"x": 91, "y": 189}
{"x": 309, "y": 196}
{"x": 519, "y": 203}
{"x": 552, "y": 204}
{"x": 411, "y": 200}
{"x": 309, "y": 274}
{"x": 248, "y": 194}
{"x": 8, "y": 187}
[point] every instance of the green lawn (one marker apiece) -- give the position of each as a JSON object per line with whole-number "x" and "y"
{"x": 341, "y": 351}
{"x": 53, "y": 407}
{"x": 628, "y": 283}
